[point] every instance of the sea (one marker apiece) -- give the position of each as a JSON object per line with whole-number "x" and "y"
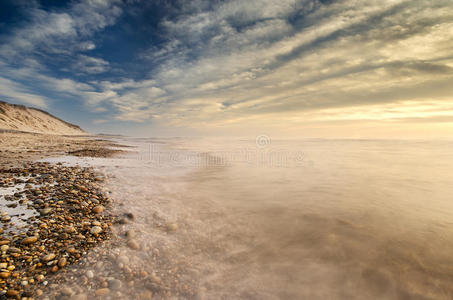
{"x": 268, "y": 218}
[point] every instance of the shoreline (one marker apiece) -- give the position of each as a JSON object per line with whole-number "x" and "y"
{"x": 59, "y": 212}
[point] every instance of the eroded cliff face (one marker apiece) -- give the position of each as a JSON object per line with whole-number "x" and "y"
{"x": 22, "y": 118}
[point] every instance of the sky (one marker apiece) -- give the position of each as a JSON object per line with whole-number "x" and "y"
{"x": 303, "y": 68}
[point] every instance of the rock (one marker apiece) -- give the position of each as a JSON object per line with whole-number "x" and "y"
{"x": 154, "y": 278}
{"x": 45, "y": 211}
{"x": 48, "y": 257}
{"x": 79, "y": 297}
{"x": 130, "y": 216}
{"x": 40, "y": 277}
{"x": 146, "y": 295}
{"x": 122, "y": 259}
{"x": 3, "y": 265}
{"x": 4, "y": 242}
{"x": 69, "y": 229}
{"x": 90, "y": 274}
{"x": 95, "y": 230}
{"x": 102, "y": 291}
{"x": 12, "y": 293}
{"x": 30, "y": 240}
{"x": 62, "y": 262}
{"x": 72, "y": 250}
{"x": 67, "y": 291}
{"x": 14, "y": 250}
{"x": 98, "y": 209}
{"x": 172, "y": 227}
{"x": 130, "y": 234}
{"x": 114, "y": 284}
{"x": 5, "y": 274}
{"x": 4, "y": 248}
{"x": 133, "y": 244}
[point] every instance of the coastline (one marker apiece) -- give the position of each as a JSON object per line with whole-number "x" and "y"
{"x": 51, "y": 214}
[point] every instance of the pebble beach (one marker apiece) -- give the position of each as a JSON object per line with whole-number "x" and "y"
{"x": 64, "y": 235}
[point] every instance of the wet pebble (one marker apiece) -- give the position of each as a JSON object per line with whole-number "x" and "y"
{"x": 133, "y": 244}
{"x": 95, "y": 230}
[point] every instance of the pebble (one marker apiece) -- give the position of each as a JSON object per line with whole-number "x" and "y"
{"x": 47, "y": 244}
{"x": 6, "y": 219}
{"x": 48, "y": 257}
{"x": 146, "y": 295}
{"x": 12, "y": 293}
{"x": 172, "y": 227}
{"x": 79, "y": 297}
{"x": 62, "y": 262}
{"x": 30, "y": 240}
{"x": 90, "y": 274}
{"x": 133, "y": 244}
{"x": 102, "y": 291}
{"x": 45, "y": 211}
{"x": 67, "y": 291}
{"x": 69, "y": 229}
{"x": 122, "y": 259}
{"x": 98, "y": 209}
{"x": 130, "y": 234}
{"x": 95, "y": 230}
{"x": 115, "y": 284}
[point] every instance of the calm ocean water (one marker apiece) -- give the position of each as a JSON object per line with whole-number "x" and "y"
{"x": 297, "y": 219}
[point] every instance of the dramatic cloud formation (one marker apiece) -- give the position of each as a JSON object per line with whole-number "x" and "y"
{"x": 298, "y": 66}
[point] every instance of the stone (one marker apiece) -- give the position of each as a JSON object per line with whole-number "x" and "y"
{"x": 102, "y": 291}
{"x": 122, "y": 259}
{"x": 45, "y": 211}
{"x": 172, "y": 227}
{"x": 67, "y": 291}
{"x": 69, "y": 229}
{"x": 62, "y": 262}
{"x": 130, "y": 234}
{"x": 5, "y": 275}
{"x": 95, "y": 230}
{"x": 154, "y": 278}
{"x": 30, "y": 240}
{"x": 79, "y": 297}
{"x": 90, "y": 274}
{"x": 114, "y": 284}
{"x": 133, "y": 244}
{"x": 98, "y": 209}
{"x": 12, "y": 293}
{"x": 146, "y": 295}
{"x": 48, "y": 257}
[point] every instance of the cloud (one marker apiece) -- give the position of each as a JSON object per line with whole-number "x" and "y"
{"x": 49, "y": 38}
{"x": 234, "y": 62}
{"x": 241, "y": 60}
{"x": 50, "y": 32}
{"x": 90, "y": 65}
{"x": 14, "y": 91}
